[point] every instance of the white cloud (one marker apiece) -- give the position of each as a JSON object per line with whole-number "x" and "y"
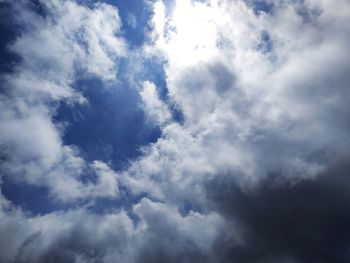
{"x": 70, "y": 41}
{"x": 72, "y": 37}
{"x": 81, "y": 236}
{"x": 160, "y": 219}
{"x": 248, "y": 112}
{"x": 155, "y": 109}
{"x": 107, "y": 184}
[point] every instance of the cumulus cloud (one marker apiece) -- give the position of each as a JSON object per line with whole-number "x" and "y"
{"x": 263, "y": 94}
{"x": 242, "y": 100}
{"x": 162, "y": 233}
{"x": 71, "y": 236}
{"x": 155, "y": 109}
{"x": 255, "y": 172}
{"x": 64, "y": 42}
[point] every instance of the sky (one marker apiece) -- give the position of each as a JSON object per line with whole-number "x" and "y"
{"x": 212, "y": 131}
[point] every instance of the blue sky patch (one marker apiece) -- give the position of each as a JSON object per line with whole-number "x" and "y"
{"x": 111, "y": 127}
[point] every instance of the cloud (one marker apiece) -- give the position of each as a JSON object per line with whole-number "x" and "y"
{"x": 282, "y": 222}
{"x": 73, "y": 38}
{"x": 156, "y": 110}
{"x": 82, "y": 236}
{"x": 64, "y": 42}
{"x": 248, "y": 111}
{"x": 262, "y": 93}
{"x": 255, "y": 172}
{"x": 71, "y": 236}
{"x": 244, "y": 101}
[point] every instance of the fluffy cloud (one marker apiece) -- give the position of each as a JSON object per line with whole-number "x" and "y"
{"x": 263, "y": 93}
{"x": 82, "y": 236}
{"x": 156, "y": 110}
{"x": 255, "y": 83}
{"x": 64, "y": 42}
{"x": 257, "y": 170}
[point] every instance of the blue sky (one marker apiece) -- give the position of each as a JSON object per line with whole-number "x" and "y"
{"x": 174, "y": 131}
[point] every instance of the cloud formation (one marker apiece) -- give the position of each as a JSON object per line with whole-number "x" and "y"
{"x": 257, "y": 171}
{"x": 239, "y": 96}
{"x": 57, "y": 46}
{"x": 281, "y": 222}
{"x": 156, "y": 110}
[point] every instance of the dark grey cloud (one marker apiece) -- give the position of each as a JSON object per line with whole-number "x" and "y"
{"x": 279, "y": 221}
{"x": 172, "y": 249}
